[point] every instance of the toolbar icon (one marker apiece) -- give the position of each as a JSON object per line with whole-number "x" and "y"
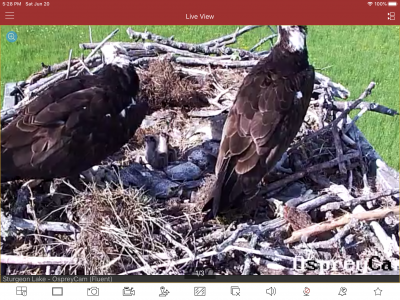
{"x": 235, "y": 291}
{"x": 164, "y": 292}
{"x": 378, "y": 292}
{"x": 57, "y": 291}
{"x": 369, "y": 3}
{"x": 391, "y": 16}
{"x": 393, "y": 3}
{"x": 306, "y": 291}
{"x": 93, "y": 291}
{"x": 9, "y": 15}
{"x": 200, "y": 291}
{"x": 128, "y": 291}
{"x": 271, "y": 291}
{"x": 21, "y": 291}
{"x": 342, "y": 291}
{"x": 11, "y": 36}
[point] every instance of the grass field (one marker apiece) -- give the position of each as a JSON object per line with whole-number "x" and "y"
{"x": 355, "y": 55}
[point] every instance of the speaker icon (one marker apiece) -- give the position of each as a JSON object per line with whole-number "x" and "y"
{"x": 271, "y": 291}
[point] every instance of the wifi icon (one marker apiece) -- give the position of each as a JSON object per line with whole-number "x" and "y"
{"x": 370, "y": 3}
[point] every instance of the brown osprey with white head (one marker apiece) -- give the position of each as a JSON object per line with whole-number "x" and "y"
{"x": 263, "y": 121}
{"x": 75, "y": 124}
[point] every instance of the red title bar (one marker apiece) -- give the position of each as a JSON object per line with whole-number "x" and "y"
{"x": 204, "y": 12}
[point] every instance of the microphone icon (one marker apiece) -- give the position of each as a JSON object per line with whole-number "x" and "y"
{"x": 306, "y": 291}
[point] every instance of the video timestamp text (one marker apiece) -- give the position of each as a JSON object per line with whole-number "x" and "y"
{"x": 16, "y": 4}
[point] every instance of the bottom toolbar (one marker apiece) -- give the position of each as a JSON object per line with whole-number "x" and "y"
{"x": 178, "y": 291}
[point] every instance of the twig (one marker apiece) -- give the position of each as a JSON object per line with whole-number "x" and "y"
{"x": 317, "y": 229}
{"x": 311, "y": 169}
{"x": 229, "y": 37}
{"x": 333, "y": 243}
{"x": 195, "y": 48}
{"x": 370, "y": 106}
{"x": 247, "y": 262}
{"x": 37, "y": 261}
{"x": 262, "y": 41}
{"x": 108, "y": 37}
{"x": 339, "y": 150}
{"x": 344, "y": 114}
{"x": 69, "y": 64}
{"x": 369, "y": 197}
{"x": 383, "y": 238}
{"x": 90, "y": 34}
{"x": 177, "y": 244}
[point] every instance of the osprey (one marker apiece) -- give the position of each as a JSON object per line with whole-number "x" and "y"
{"x": 267, "y": 114}
{"x": 75, "y": 124}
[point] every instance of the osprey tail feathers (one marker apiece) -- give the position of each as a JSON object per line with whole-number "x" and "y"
{"x": 227, "y": 190}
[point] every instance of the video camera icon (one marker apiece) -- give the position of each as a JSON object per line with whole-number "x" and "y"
{"x": 128, "y": 291}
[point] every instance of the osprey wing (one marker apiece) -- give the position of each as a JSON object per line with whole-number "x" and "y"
{"x": 267, "y": 114}
{"x": 70, "y": 117}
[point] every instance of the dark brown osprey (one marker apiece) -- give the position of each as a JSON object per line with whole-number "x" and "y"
{"x": 75, "y": 124}
{"x": 266, "y": 116}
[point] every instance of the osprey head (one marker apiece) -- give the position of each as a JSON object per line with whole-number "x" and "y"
{"x": 292, "y": 37}
{"x": 150, "y": 140}
{"x": 115, "y": 54}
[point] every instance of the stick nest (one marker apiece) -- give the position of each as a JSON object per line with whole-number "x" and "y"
{"x": 331, "y": 197}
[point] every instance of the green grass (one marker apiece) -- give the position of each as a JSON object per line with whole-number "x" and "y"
{"x": 355, "y": 56}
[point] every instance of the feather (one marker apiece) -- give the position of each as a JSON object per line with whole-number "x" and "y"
{"x": 262, "y": 123}
{"x": 72, "y": 126}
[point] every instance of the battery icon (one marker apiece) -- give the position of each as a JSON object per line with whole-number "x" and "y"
{"x": 392, "y": 3}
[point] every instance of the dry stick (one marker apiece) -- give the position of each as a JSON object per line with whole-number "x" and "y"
{"x": 380, "y": 233}
{"x": 69, "y": 64}
{"x": 333, "y": 243}
{"x": 355, "y": 119}
{"x": 90, "y": 34}
{"x": 37, "y": 261}
{"x": 230, "y": 37}
{"x": 108, "y": 37}
{"x": 319, "y": 228}
{"x": 247, "y": 262}
{"x": 311, "y": 169}
{"x": 201, "y": 256}
{"x": 262, "y": 41}
{"x": 344, "y": 114}
{"x": 196, "y": 48}
{"x": 15, "y": 223}
{"x": 370, "y": 106}
{"x": 369, "y": 197}
{"x": 339, "y": 150}
{"x": 177, "y": 244}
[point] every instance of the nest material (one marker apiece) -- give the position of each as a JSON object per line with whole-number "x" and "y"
{"x": 163, "y": 87}
{"x": 116, "y": 229}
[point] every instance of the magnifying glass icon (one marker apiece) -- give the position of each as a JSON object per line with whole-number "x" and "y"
{"x": 11, "y": 36}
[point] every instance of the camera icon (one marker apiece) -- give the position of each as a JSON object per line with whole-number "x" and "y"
{"x": 93, "y": 291}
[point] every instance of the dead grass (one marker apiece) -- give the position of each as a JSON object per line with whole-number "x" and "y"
{"x": 117, "y": 226}
{"x": 163, "y": 87}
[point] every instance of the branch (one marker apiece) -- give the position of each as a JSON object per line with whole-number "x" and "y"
{"x": 370, "y": 106}
{"x": 195, "y": 48}
{"x": 315, "y": 168}
{"x": 231, "y": 38}
{"x": 343, "y": 115}
{"x": 317, "y": 229}
{"x": 37, "y": 261}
